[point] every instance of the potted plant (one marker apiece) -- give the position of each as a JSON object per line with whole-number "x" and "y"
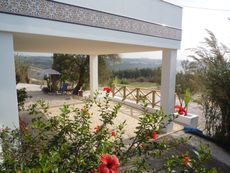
{"x": 183, "y": 116}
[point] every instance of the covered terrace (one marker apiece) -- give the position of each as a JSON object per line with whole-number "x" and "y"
{"x": 87, "y": 27}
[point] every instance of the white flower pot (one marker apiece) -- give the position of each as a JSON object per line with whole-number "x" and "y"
{"x": 190, "y": 120}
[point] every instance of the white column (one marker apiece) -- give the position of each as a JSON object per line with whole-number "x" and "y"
{"x": 93, "y": 61}
{"x": 168, "y": 82}
{"x": 8, "y": 95}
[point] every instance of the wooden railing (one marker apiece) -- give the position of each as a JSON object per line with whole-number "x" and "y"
{"x": 151, "y": 96}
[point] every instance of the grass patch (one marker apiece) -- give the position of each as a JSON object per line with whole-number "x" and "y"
{"x": 144, "y": 85}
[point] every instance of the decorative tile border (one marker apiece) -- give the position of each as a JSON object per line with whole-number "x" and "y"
{"x": 51, "y": 10}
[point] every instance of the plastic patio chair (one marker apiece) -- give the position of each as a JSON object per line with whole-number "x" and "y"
{"x": 64, "y": 88}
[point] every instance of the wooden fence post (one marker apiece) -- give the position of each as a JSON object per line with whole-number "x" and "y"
{"x": 113, "y": 90}
{"x": 153, "y": 98}
{"x": 138, "y": 95}
{"x": 124, "y": 92}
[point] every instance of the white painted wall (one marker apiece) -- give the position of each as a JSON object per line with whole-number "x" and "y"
{"x": 20, "y": 24}
{"x": 155, "y": 11}
{"x": 8, "y": 96}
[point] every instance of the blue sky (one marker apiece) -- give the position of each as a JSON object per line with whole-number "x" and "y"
{"x": 211, "y": 14}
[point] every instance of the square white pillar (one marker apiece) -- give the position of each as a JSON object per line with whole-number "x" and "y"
{"x": 8, "y": 95}
{"x": 93, "y": 61}
{"x": 168, "y": 82}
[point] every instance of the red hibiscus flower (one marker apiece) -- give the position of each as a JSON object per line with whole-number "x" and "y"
{"x": 154, "y": 135}
{"x": 107, "y": 89}
{"x": 109, "y": 164}
{"x": 114, "y": 133}
{"x": 98, "y": 129}
{"x": 181, "y": 110}
{"x": 186, "y": 159}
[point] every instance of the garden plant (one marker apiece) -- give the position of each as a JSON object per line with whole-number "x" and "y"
{"x": 68, "y": 142}
{"x": 213, "y": 79}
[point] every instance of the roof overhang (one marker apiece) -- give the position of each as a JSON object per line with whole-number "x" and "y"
{"x": 59, "y": 27}
{"x": 41, "y": 43}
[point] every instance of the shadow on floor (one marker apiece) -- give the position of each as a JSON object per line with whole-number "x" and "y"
{"x": 157, "y": 164}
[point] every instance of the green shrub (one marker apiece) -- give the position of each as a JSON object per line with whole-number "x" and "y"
{"x": 21, "y": 96}
{"x": 214, "y": 84}
{"x": 67, "y": 142}
{"x": 124, "y": 81}
{"x": 21, "y": 71}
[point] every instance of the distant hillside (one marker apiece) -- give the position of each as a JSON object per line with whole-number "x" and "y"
{"x": 133, "y": 63}
{"x": 139, "y": 63}
{"x": 42, "y": 62}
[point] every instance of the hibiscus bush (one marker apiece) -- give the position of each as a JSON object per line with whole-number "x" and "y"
{"x": 192, "y": 161}
{"x": 68, "y": 142}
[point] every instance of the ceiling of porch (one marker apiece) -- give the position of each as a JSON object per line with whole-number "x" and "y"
{"x": 52, "y": 44}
